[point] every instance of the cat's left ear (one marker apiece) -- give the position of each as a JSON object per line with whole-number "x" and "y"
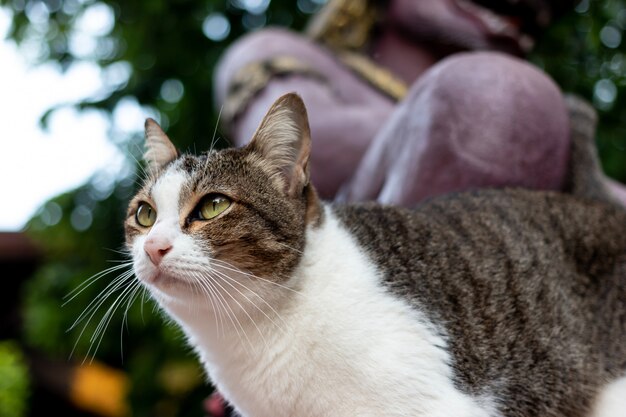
{"x": 159, "y": 148}
{"x": 283, "y": 139}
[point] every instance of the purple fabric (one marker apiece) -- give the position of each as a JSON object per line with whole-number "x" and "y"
{"x": 473, "y": 120}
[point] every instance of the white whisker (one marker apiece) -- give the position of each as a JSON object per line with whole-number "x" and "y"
{"x": 227, "y": 304}
{"x": 209, "y": 297}
{"x": 206, "y": 282}
{"x": 289, "y": 247}
{"x": 120, "y": 298}
{"x": 124, "y": 323}
{"x": 106, "y": 320}
{"x": 143, "y": 301}
{"x": 241, "y": 307}
{"x": 95, "y": 305}
{"x": 252, "y": 302}
{"x": 93, "y": 308}
{"x": 231, "y": 267}
{"x": 100, "y": 298}
{"x": 196, "y": 292}
{"x": 89, "y": 281}
{"x": 123, "y": 252}
{"x": 217, "y": 123}
{"x": 144, "y": 174}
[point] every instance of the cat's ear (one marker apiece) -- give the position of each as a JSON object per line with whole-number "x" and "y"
{"x": 159, "y": 149}
{"x": 283, "y": 140}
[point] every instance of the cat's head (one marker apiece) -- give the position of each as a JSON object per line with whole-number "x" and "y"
{"x": 235, "y": 211}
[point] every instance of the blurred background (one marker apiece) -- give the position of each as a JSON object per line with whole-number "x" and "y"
{"x": 77, "y": 80}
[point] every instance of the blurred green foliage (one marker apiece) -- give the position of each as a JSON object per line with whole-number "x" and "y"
{"x": 14, "y": 384}
{"x": 159, "y": 54}
{"x": 585, "y": 54}
{"x": 154, "y": 46}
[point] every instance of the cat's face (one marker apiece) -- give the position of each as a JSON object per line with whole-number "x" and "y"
{"x": 236, "y": 214}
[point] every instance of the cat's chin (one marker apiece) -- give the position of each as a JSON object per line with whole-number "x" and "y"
{"x": 177, "y": 295}
{"x": 166, "y": 282}
{"x": 169, "y": 290}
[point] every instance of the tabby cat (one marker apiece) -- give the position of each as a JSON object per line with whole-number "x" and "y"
{"x": 488, "y": 303}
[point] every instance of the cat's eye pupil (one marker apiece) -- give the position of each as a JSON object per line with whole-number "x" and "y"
{"x": 146, "y": 215}
{"x": 212, "y": 206}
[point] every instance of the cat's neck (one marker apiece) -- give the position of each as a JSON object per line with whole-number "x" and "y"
{"x": 326, "y": 335}
{"x": 242, "y": 316}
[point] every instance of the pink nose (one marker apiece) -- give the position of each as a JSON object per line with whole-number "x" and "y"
{"x": 156, "y": 249}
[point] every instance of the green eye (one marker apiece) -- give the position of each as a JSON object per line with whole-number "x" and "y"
{"x": 213, "y": 205}
{"x": 146, "y": 215}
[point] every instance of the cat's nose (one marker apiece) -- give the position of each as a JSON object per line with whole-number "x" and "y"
{"x": 156, "y": 249}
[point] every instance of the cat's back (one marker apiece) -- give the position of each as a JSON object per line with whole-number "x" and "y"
{"x": 528, "y": 287}
{"x": 477, "y": 218}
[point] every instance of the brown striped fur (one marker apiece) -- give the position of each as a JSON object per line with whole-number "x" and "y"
{"x": 530, "y": 288}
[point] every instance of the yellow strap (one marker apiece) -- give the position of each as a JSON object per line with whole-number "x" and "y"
{"x": 252, "y": 78}
{"x": 379, "y": 77}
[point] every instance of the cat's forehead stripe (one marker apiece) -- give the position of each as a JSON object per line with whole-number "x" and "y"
{"x": 188, "y": 163}
{"x": 166, "y": 192}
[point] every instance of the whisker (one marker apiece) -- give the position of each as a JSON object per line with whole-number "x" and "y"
{"x": 124, "y": 323}
{"x": 205, "y": 283}
{"x": 89, "y": 281}
{"x": 95, "y": 304}
{"x": 229, "y": 308}
{"x": 93, "y": 308}
{"x": 123, "y": 252}
{"x": 106, "y": 319}
{"x": 209, "y": 300}
{"x": 231, "y": 267}
{"x": 243, "y": 309}
{"x": 143, "y": 301}
{"x": 132, "y": 299}
{"x": 196, "y": 292}
{"x": 100, "y": 298}
{"x": 144, "y": 174}
{"x": 289, "y": 247}
{"x": 252, "y": 302}
{"x": 120, "y": 298}
{"x": 217, "y": 123}
{"x": 208, "y": 282}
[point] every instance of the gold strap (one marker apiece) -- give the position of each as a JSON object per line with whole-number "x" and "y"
{"x": 345, "y": 27}
{"x": 343, "y": 24}
{"x": 252, "y": 78}
{"x": 377, "y": 76}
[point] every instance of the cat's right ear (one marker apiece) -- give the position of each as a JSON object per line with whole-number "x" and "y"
{"x": 283, "y": 140}
{"x": 159, "y": 148}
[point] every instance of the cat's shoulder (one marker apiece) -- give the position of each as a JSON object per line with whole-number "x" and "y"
{"x": 499, "y": 209}
{"x": 514, "y": 199}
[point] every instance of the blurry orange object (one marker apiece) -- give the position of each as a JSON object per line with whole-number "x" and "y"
{"x": 100, "y": 389}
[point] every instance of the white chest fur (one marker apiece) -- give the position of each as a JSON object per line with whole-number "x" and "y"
{"x": 345, "y": 346}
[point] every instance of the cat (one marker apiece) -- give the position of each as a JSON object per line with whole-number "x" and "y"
{"x": 486, "y": 303}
